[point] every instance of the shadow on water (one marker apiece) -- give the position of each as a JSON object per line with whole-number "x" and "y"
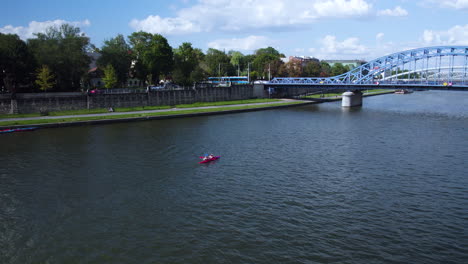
{"x": 350, "y": 110}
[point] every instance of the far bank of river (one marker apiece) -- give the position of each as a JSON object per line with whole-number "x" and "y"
{"x": 165, "y": 113}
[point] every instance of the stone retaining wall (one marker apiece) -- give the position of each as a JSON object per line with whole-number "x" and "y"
{"x": 36, "y": 102}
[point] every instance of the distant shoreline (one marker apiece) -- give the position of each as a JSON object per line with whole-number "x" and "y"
{"x": 159, "y": 114}
{"x": 108, "y": 119}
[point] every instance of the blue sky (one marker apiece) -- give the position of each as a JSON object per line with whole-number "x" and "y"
{"x": 326, "y": 29}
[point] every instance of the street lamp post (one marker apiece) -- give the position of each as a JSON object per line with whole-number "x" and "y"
{"x": 269, "y": 72}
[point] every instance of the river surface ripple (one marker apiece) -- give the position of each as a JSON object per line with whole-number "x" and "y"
{"x": 385, "y": 183}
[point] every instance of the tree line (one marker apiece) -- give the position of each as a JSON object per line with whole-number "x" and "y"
{"x": 59, "y": 60}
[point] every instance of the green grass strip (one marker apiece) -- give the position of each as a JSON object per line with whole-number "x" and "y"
{"x": 251, "y": 101}
{"x": 105, "y": 110}
{"x": 177, "y": 112}
{"x": 325, "y": 95}
{"x": 137, "y": 108}
{"x": 328, "y": 95}
{"x": 378, "y": 91}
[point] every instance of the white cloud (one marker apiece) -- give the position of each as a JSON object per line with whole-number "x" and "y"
{"x": 243, "y": 15}
{"x": 341, "y": 8}
{"x": 156, "y": 24}
{"x": 40, "y": 27}
{"x": 351, "y": 48}
{"x": 457, "y": 35}
{"x": 379, "y": 36}
{"x": 348, "y": 48}
{"x": 249, "y": 43}
{"x": 396, "y": 12}
{"x": 456, "y": 4}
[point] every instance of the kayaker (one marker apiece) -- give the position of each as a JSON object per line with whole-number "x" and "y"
{"x": 210, "y": 156}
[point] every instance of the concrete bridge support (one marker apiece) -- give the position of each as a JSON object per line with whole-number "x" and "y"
{"x": 351, "y": 99}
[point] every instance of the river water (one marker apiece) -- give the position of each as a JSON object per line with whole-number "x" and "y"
{"x": 385, "y": 183}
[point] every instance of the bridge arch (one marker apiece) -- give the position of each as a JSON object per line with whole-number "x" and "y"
{"x": 430, "y": 66}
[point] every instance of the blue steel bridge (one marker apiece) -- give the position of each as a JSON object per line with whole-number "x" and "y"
{"x": 432, "y": 68}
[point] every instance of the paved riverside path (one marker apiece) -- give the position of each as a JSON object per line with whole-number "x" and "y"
{"x": 147, "y": 111}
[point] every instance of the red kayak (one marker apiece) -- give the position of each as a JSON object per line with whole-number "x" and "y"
{"x": 21, "y": 129}
{"x": 208, "y": 160}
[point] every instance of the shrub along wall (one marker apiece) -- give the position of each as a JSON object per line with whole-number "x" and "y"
{"x": 37, "y": 102}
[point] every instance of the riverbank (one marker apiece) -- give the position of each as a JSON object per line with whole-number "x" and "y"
{"x": 114, "y": 117}
{"x": 217, "y": 108}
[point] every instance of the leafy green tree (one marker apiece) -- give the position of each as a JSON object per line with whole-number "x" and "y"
{"x": 198, "y": 74}
{"x": 153, "y": 55}
{"x": 187, "y": 64}
{"x": 117, "y": 53}
{"x": 110, "y": 77}
{"x": 267, "y": 61}
{"x": 338, "y": 69}
{"x": 45, "y": 78}
{"x": 237, "y": 60}
{"x": 218, "y": 63}
{"x": 254, "y": 75}
{"x": 270, "y": 51}
{"x": 64, "y": 50}
{"x": 312, "y": 68}
{"x": 325, "y": 69}
{"x": 16, "y": 63}
{"x": 248, "y": 63}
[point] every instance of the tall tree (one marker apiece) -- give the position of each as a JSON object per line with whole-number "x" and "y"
{"x": 153, "y": 55}
{"x": 270, "y": 51}
{"x": 248, "y": 60}
{"x": 45, "y": 78}
{"x": 338, "y": 69}
{"x": 237, "y": 60}
{"x": 64, "y": 50}
{"x": 267, "y": 62}
{"x": 117, "y": 53}
{"x": 110, "y": 77}
{"x": 325, "y": 69}
{"x": 16, "y": 62}
{"x": 312, "y": 68}
{"x": 187, "y": 64}
{"x": 218, "y": 63}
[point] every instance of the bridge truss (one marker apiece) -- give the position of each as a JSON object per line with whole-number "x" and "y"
{"x": 431, "y": 66}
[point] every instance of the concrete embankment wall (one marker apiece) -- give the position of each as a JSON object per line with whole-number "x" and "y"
{"x": 33, "y": 103}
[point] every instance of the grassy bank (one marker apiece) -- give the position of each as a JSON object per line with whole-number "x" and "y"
{"x": 139, "y": 108}
{"x": 332, "y": 95}
{"x": 137, "y": 115}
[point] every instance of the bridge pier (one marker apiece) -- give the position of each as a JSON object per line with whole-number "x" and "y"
{"x": 351, "y": 99}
